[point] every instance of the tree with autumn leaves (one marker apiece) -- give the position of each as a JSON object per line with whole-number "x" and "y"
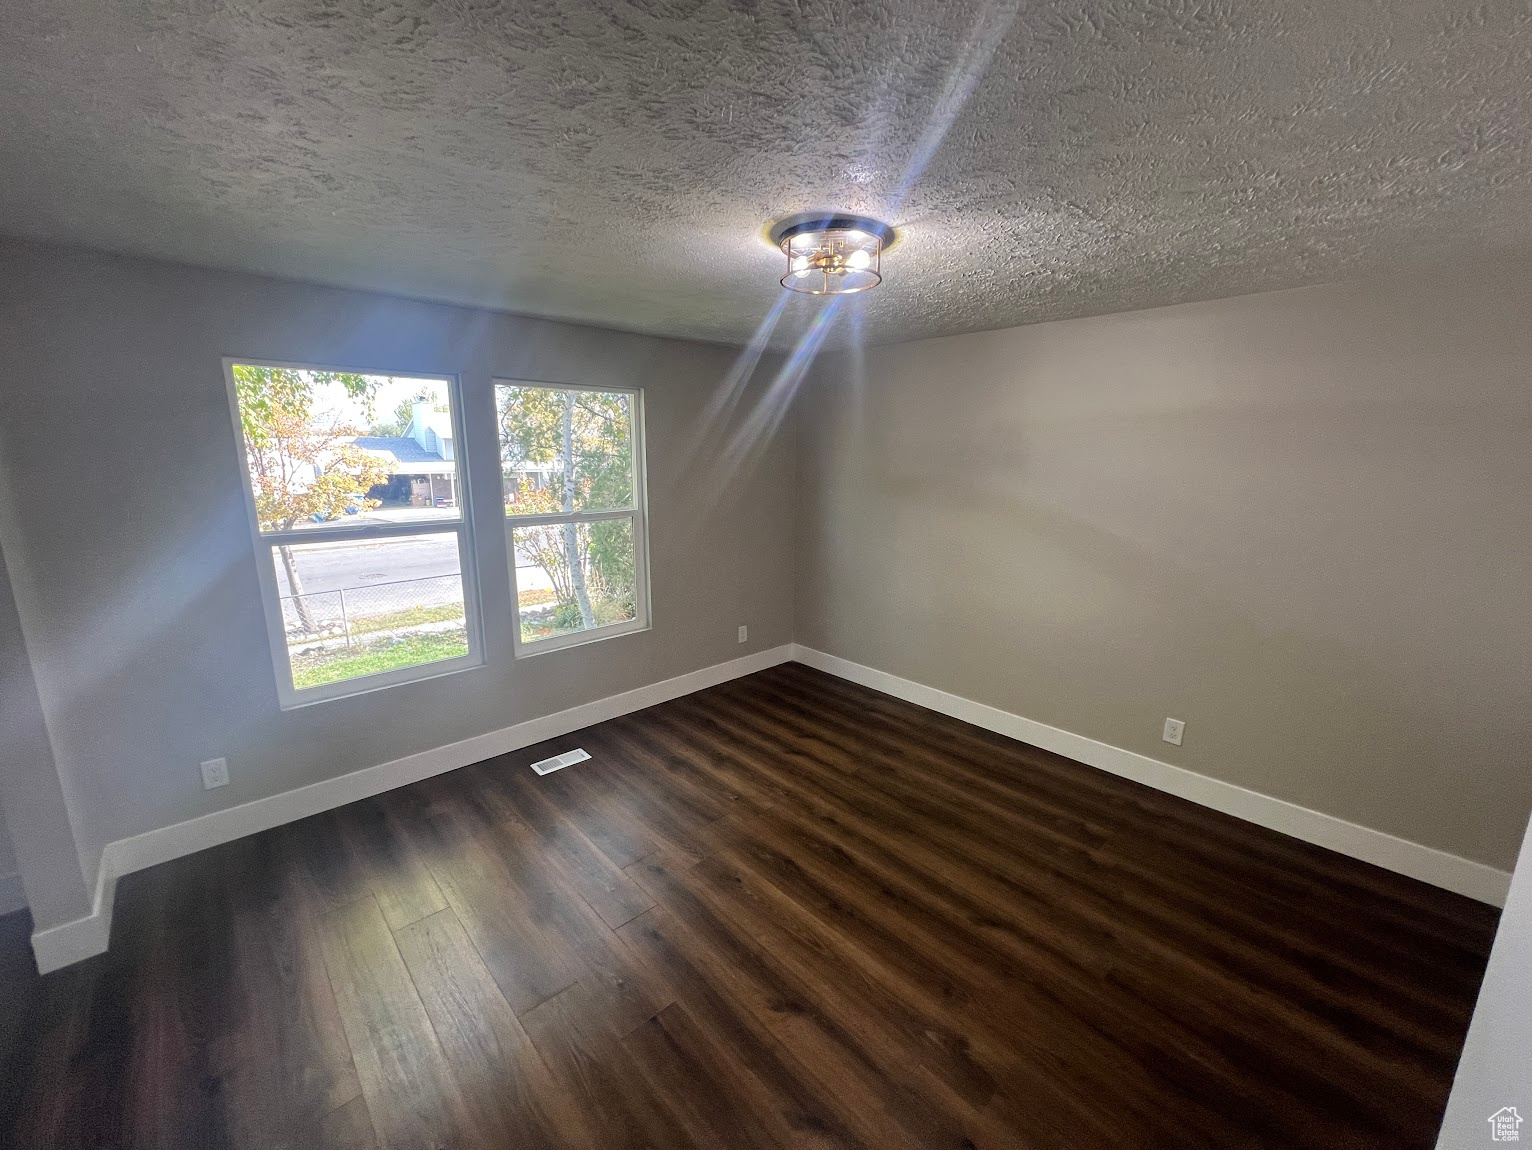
{"x": 302, "y": 462}
{"x": 589, "y": 434}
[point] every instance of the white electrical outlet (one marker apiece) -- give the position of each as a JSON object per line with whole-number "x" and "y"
{"x": 1173, "y": 729}
{"x": 215, "y": 773}
{"x": 744, "y": 634}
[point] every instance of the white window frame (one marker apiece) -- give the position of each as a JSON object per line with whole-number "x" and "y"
{"x": 638, "y": 513}
{"x": 265, "y": 543}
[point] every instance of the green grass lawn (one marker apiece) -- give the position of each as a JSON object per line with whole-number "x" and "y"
{"x": 408, "y": 617}
{"x": 333, "y": 666}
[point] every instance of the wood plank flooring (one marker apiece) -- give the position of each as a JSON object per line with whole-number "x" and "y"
{"x": 783, "y": 912}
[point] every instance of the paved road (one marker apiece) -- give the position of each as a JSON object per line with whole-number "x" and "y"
{"x": 347, "y": 565}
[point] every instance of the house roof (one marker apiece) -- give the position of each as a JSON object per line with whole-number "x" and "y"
{"x": 403, "y": 454}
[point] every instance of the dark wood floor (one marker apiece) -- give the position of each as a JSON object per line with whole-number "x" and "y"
{"x": 782, "y": 912}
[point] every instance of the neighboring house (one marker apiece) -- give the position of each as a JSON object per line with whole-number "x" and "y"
{"x": 521, "y": 475}
{"x": 420, "y": 462}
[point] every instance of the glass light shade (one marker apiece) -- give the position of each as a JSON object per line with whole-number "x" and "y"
{"x": 832, "y": 261}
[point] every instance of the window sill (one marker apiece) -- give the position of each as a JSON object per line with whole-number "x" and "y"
{"x": 579, "y": 639}
{"x": 366, "y": 685}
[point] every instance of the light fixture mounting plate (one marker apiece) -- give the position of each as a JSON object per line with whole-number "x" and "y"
{"x": 797, "y": 225}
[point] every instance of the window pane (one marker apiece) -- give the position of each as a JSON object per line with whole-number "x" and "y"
{"x": 337, "y": 448}
{"x": 565, "y": 450}
{"x": 362, "y": 608}
{"x": 574, "y": 577}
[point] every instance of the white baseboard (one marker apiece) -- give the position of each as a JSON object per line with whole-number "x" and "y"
{"x": 72, "y": 941}
{"x": 1449, "y": 871}
{"x": 12, "y": 896}
{"x": 69, "y": 942}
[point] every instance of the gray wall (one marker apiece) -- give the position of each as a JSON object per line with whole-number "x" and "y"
{"x": 31, "y": 794}
{"x": 11, "y": 894}
{"x": 1301, "y": 522}
{"x": 134, "y": 573}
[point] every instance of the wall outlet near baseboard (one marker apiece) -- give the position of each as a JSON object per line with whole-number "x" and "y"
{"x": 215, "y": 773}
{"x": 744, "y": 634}
{"x": 1173, "y": 729}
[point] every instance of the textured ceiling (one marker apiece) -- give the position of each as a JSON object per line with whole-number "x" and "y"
{"x": 616, "y": 161}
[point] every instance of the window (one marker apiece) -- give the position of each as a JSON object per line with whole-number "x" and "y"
{"x": 355, "y": 493}
{"x": 572, "y": 478}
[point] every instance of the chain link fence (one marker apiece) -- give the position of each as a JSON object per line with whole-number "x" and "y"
{"x": 350, "y": 615}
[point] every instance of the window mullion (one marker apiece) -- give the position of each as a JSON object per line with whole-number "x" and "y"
{"x": 354, "y": 534}
{"x": 556, "y": 517}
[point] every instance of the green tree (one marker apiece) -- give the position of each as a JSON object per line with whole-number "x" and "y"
{"x": 589, "y": 435}
{"x": 302, "y": 464}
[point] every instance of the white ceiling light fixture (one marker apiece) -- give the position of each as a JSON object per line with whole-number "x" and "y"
{"x": 832, "y": 254}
